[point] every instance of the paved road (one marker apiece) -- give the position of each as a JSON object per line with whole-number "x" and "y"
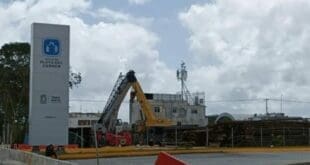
{"x": 214, "y": 159}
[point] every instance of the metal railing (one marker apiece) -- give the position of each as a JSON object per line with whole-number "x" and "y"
{"x": 261, "y": 137}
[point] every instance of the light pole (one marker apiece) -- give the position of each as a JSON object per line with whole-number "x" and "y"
{"x": 207, "y": 136}
{"x": 281, "y": 104}
{"x": 96, "y": 143}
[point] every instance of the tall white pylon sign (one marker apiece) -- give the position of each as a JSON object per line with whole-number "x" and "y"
{"x": 49, "y": 89}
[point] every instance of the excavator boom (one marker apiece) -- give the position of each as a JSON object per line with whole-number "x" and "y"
{"x": 109, "y": 116}
{"x": 151, "y": 120}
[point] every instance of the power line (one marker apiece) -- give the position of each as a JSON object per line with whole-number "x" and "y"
{"x": 86, "y": 100}
{"x": 92, "y": 100}
{"x": 233, "y": 100}
{"x": 259, "y": 99}
{"x": 292, "y": 101}
{"x": 211, "y": 101}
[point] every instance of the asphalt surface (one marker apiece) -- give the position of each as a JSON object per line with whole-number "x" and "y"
{"x": 282, "y": 158}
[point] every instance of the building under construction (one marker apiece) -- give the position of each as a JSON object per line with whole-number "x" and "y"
{"x": 173, "y": 107}
{"x": 180, "y": 119}
{"x": 80, "y": 125}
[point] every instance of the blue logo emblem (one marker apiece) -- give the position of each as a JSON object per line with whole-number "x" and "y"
{"x": 51, "y": 47}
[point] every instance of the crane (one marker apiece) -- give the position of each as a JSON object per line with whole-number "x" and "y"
{"x": 108, "y": 119}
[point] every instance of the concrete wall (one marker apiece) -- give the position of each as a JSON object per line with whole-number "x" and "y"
{"x": 10, "y": 156}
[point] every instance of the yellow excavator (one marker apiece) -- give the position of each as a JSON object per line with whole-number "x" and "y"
{"x": 108, "y": 120}
{"x": 146, "y": 108}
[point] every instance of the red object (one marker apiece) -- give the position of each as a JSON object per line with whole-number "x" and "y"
{"x": 71, "y": 146}
{"x": 99, "y": 135}
{"x": 42, "y": 147}
{"x": 123, "y": 138}
{"x": 164, "y": 158}
{"x": 24, "y": 146}
{"x": 14, "y": 146}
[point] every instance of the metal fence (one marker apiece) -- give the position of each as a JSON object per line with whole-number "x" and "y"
{"x": 261, "y": 136}
{"x": 240, "y": 136}
{"x": 265, "y": 136}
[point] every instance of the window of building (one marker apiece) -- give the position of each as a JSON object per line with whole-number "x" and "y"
{"x": 156, "y": 109}
{"x": 194, "y": 111}
{"x": 83, "y": 122}
{"x": 174, "y": 110}
{"x": 93, "y": 122}
{"x": 182, "y": 112}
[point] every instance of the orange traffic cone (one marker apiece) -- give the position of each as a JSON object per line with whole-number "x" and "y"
{"x": 164, "y": 158}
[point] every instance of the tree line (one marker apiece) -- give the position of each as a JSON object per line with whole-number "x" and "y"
{"x": 14, "y": 91}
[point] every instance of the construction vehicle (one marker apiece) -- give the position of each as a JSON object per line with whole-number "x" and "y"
{"x": 111, "y": 129}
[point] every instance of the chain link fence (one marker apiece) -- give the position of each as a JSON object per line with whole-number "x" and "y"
{"x": 259, "y": 133}
{"x": 265, "y": 136}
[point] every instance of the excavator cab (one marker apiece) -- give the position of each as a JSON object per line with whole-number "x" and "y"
{"x": 121, "y": 126}
{"x": 119, "y": 122}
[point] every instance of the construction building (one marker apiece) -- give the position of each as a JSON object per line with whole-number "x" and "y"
{"x": 184, "y": 108}
{"x": 80, "y": 125}
{"x": 172, "y": 119}
{"x": 173, "y": 107}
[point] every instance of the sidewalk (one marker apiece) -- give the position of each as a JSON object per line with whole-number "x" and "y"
{"x": 11, "y": 162}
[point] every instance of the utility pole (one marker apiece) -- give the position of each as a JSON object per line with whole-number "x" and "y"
{"x": 261, "y": 136}
{"x": 207, "y": 136}
{"x": 267, "y": 106}
{"x": 281, "y": 103}
{"x": 232, "y": 137}
{"x": 96, "y": 143}
{"x": 176, "y": 135}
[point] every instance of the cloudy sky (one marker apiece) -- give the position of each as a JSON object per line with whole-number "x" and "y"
{"x": 234, "y": 50}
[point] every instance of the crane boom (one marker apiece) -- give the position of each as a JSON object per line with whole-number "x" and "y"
{"x": 151, "y": 120}
{"x": 109, "y": 116}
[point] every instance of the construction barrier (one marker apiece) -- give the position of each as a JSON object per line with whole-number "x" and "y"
{"x": 71, "y": 146}
{"x": 164, "y": 158}
{"x": 28, "y": 158}
{"x": 5, "y": 146}
{"x": 41, "y": 148}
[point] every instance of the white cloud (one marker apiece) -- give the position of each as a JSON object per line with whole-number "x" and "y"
{"x": 250, "y": 49}
{"x": 17, "y": 16}
{"x": 239, "y": 49}
{"x": 112, "y": 16}
{"x": 100, "y": 51}
{"x": 138, "y": 2}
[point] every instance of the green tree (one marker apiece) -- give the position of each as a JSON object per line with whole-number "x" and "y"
{"x": 14, "y": 90}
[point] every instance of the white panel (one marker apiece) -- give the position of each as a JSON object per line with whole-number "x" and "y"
{"x": 49, "y": 77}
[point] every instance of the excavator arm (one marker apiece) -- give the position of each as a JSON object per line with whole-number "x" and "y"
{"x": 151, "y": 120}
{"x": 109, "y": 116}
